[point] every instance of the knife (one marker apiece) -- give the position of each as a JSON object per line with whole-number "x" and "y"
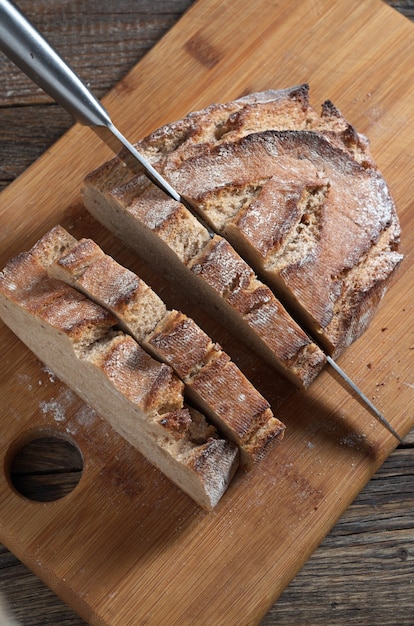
{"x": 30, "y": 51}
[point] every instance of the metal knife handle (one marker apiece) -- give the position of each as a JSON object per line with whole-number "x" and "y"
{"x": 30, "y": 51}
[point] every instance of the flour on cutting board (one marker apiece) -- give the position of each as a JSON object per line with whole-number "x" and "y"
{"x": 61, "y": 409}
{"x": 57, "y": 407}
{"x": 25, "y": 380}
{"x": 52, "y": 376}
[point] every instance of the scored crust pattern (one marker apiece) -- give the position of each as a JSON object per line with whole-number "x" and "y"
{"x": 294, "y": 193}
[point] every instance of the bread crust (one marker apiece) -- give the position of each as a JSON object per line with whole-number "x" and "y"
{"x": 204, "y": 271}
{"x": 141, "y": 398}
{"x": 172, "y": 338}
{"x": 281, "y": 183}
{"x": 275, "y": 176}
{"x": 237, "y": 285}
{"x": 217, "y": 385}
{"x": 297, "y": 195}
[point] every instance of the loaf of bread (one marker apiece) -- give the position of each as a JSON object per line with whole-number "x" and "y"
{"x": 212, "y": 381}
{"x": 175, "y": 242}
{"x": 295, "y": 193}
{"x": 140, "y": 397}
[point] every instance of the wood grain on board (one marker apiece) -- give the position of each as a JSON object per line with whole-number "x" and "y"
{"x": 125, "y": 546}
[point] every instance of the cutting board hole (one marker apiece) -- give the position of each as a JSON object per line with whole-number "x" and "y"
{"x": 46, "y": 468}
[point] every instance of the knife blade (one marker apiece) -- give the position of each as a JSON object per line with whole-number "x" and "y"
{"x": 29, "y": 50}
{"x": 377, "y": 414}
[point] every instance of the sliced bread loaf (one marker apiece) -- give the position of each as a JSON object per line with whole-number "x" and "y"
{"x": 317, "y": 226}
{"x": 296, "y": 193}
{"x": 140, "y": 397}
{"x": 211, "y": 379}
{"x": 170, "y": 238}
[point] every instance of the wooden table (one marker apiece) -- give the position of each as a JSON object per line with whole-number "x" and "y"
{"x": 363, "y": 572}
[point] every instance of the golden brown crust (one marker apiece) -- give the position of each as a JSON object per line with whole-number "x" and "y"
{"x": 141, "y": 398}
{"x": 136, "y": 375}
{"x": 174, "y": 339}
{"x": 25, "y": 282}
{"x": 85, "y": 266}
{"x": 224, "y": 382}
{"x": 300, "y": 194}
{"x": 235, "y": 282}
{"x": 178, "y": 339}
{"x": 282, "y": 109}
{"x": 215, "y": 383}
{"x": 211, "y": 462}
{"x": 282, "y": 183}
{"x": 118, "y": 286}
{"x": 75, "y": 260}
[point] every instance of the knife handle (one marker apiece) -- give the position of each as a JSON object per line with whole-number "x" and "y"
{"x": 30, "y": 51}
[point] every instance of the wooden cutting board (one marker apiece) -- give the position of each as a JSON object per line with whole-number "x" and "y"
{"x": 127, "y": 547}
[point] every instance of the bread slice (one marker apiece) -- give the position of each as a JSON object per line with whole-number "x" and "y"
{"x": 211, "y": 379}
{"x": 297, "y": 194}
{"x": 170, "y": 238}
{"x": 140, "y": 397}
